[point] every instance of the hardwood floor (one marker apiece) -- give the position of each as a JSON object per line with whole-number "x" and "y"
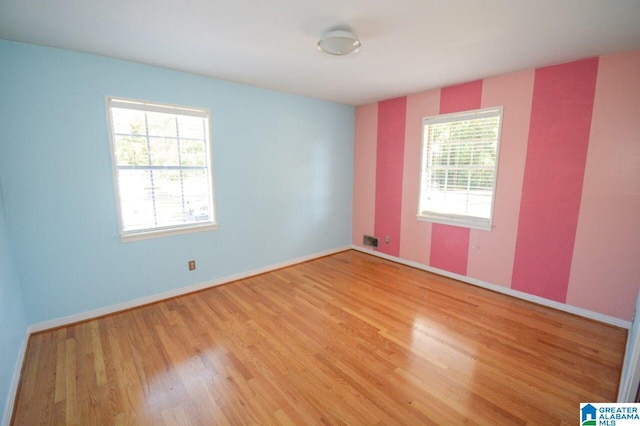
{"x": 345, "y": 339}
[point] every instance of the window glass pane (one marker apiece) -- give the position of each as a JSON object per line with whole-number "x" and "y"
{"x": 479, "y": 204}
{"x": 160, "y": 124}
{"x": 131, "y": 151}
{"x": 164, "y": 152}
{"x": 191, "y": 127}
{"x": 192, "y": 153}
{"x": 197, "y": 194}
{"x": 482, "y": 179}
{"x": 461, "y": 180}
{"x": 126, "y": 121}
{"x": 169, "y": 199}
{"x": 136, "y": 199}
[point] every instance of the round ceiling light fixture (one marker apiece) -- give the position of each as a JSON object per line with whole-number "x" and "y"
{"x": 339, "y": 43}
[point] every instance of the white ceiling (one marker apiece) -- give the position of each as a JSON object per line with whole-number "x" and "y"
{"x": 407, "y": 45}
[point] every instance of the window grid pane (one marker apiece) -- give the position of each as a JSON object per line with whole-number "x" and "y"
{"x": 163, "y": 178}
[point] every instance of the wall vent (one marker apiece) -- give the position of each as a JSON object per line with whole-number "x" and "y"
{"x": 370, "y": 241}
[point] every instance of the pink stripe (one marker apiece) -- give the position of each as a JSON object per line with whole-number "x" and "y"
{"x": 389, "y": 162}
{"x": 450, "y": 244}
{"x": 449, "y": 248}
{"x": 605, "y": 272}
{"x": 364, "y": 172}
{"x": 415, "y": 235}
{"x": 554, "y": 171}
{"x": 463, "y": 97}
{"x": 491, "y": 254}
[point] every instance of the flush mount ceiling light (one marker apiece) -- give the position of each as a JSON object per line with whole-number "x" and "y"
{"x": 339, "y": 43}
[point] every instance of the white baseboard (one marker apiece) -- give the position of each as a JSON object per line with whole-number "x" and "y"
{"x": 13, "y": 388}
{"x": 84, "y": 316}
{"x": 630, "y": 376}
{"x": 504, "y": 290}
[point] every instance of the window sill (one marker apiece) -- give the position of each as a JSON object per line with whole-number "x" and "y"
{"x": 454, "y": 221}
{"x": 145, "y": 235}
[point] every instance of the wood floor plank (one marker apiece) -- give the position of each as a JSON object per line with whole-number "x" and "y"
{"x": 345, "y": 339}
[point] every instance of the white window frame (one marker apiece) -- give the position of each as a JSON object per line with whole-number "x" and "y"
{"x": 160, "y": 231}
{"x": 467, "y": 221}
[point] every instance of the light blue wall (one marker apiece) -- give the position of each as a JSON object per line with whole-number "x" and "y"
{"x": 12, "y": 319}
{"x": 282, "y": 165}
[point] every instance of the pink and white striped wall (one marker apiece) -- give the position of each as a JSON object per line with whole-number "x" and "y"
{"x": 567, "y": 206}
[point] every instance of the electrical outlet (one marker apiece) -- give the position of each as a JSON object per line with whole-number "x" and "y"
{"x": 192, "y": 265}
{"x": 387, "y": 239}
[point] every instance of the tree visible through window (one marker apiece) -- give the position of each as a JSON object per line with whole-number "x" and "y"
{"x": 162, "y": 169}
{"x": 459, "y": 167}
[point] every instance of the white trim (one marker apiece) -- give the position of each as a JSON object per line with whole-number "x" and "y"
{"x": 505, "y": 290}
{"x": 473, "y": 114}
{"x": 15, "y": 380}
{"x": 450, "y": 218}
{"x": 630, "y": 376}
{"x": 154, "y": 232}
{"x": 126, "y": 103}
{"x": 85, "y": 316}
{"x": 454, "y": 221}
{"x": 145, "y": 235}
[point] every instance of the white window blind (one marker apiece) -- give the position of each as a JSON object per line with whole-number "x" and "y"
{"x": 162, "y": 168}
{"x": 459, "y": 167}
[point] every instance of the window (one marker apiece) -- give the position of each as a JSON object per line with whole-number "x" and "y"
{"x": 459, "y": 167}
{"x": 162, "y": 168}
